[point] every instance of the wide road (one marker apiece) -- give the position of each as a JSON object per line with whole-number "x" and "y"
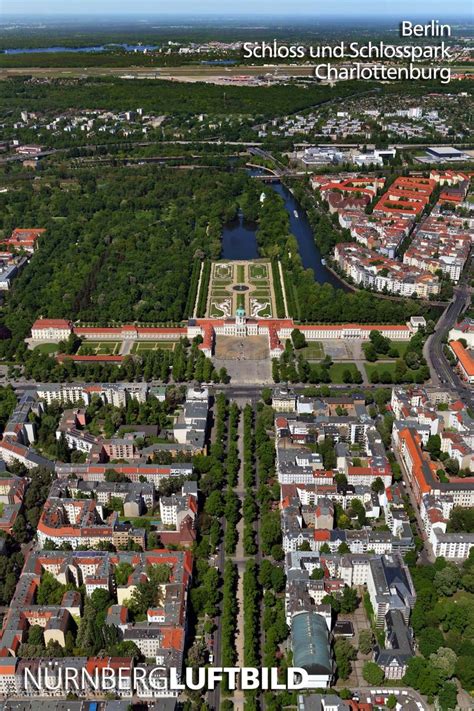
{"x": 218, "y": 560}
{"x": 250, "y": 392}
{"x": 214, "y": 696}
{"x": 442, "y": 372}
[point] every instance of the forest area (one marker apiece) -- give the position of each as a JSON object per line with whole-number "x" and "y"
{"x": 165, "y": 97}
{"x": 119, "y": 245}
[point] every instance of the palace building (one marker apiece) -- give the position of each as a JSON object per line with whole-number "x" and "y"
{"x": 241, "y": 326}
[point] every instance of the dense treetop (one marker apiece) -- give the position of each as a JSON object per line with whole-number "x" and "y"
{"x": 120, "y": 245}
{"x": 165, "y": 97}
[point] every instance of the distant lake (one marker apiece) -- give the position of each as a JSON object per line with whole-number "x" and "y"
{"x": 219, "y": 62}
{"x": 97, "y": 48}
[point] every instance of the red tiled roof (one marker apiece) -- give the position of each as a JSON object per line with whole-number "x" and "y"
{"x": 322, "y": 534}
{"x": 173, "y": 638}
{"x": 51, "y": 323}
{"x": 362, "y": 327}
{"x": 413, "y": 444}
{"x": 464, "y": 357}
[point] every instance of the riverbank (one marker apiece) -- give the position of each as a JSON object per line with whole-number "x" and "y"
{"x": 309, "y": 251}
{"x": 239, "y": 240}
{"x": 388, "y": 297}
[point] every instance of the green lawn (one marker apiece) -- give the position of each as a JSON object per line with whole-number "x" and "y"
{"x": 215, "y": 311}
{"x": 384, "y": 367}
{"x": 100, "y": 347}
{"x": 222, "y": 272}
{"x": 240, "y": 273}
{"x": 337, "y": 369}
{"x": 258, "y": 271}
{"x": 379, "y": 367}
{"x": 47, "y": 348}
{"x": 266, "y": 312}
{"x": 401, "y": 346}
{"x": 152, "y": 346}
{"x": 313, "y": 351}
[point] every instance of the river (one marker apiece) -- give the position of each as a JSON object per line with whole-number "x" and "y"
{"x": 239, "y": 239}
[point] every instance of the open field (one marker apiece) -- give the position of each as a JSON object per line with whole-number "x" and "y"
{"x": 187, "y": 73}
{"x": 142, "y": 346}
{"x": 39, "y": 66}
{"x": 47, "y": 348}
{"x": 100, "y": 348}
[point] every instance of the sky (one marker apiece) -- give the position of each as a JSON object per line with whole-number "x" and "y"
{"x": 431, "y": 8}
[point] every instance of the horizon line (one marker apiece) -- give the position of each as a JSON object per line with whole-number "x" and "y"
{"x": 187, "y": 13}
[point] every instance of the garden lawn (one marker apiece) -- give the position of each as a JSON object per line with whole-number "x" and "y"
{"x": 337, "y": 369}
{"x": 152, "y": 346}
{"x": 47, "y": 348}
{"x": 313, "y": 351}
{"x": 379, "y": 367}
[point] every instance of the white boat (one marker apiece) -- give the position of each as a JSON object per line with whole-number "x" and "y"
{"x": 295, "y": 213}
{"x": 323, "y": 262}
